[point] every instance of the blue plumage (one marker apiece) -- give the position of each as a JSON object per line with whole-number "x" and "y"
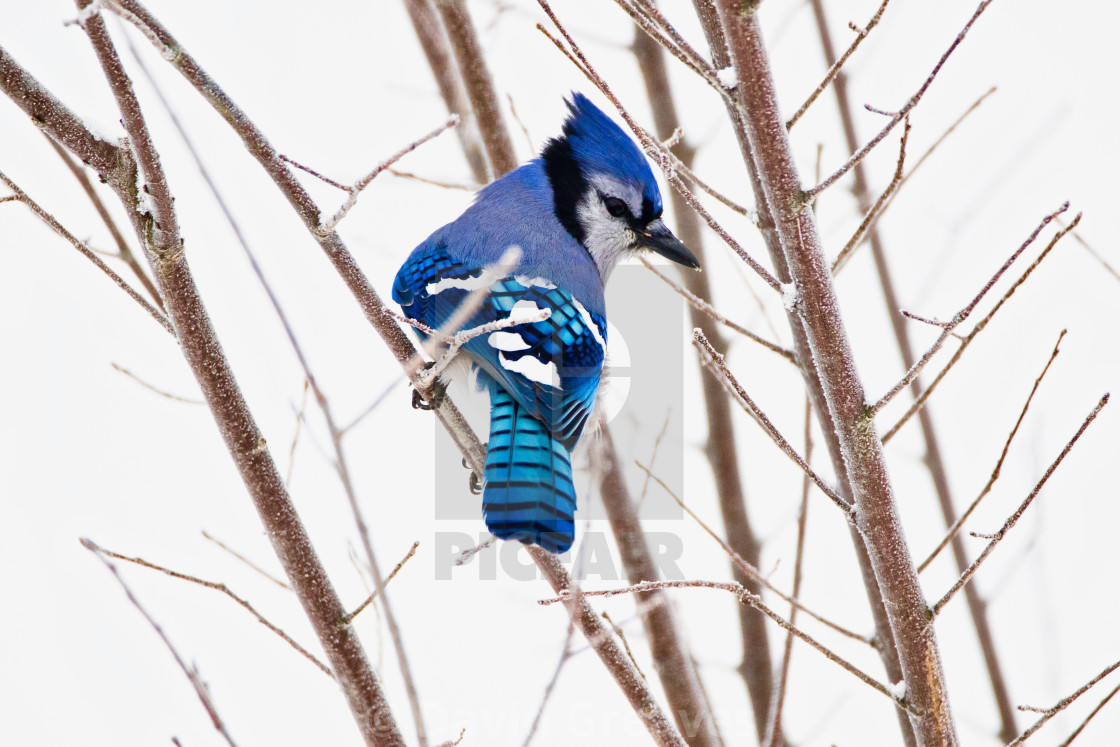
{"x": 588, "y": 201}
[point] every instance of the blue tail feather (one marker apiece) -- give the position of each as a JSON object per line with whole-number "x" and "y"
{"x": 528, "y": 493}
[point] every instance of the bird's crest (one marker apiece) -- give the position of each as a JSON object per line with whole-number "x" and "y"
{"x": 600, "y": 146}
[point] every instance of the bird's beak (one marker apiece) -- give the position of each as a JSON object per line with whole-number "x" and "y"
{"x": 657, "y": 237}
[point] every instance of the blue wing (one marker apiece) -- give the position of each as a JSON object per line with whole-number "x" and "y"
{"x": 550, "y": 367}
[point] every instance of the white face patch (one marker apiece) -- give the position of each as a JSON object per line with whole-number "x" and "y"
{"x": 608, "y": 239}
{"x": 532, "y": 369}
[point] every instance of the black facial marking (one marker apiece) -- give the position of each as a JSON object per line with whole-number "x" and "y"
{"x": 648, "y": 213}
{"x": 568, "y": 183}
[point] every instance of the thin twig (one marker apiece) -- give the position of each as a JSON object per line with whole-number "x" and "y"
{"x": 774, "y": 736}
{"x": 191, "y": 672}
{"x": 245, "y": 560}
{"x": 314, "y": 173}
{"x": 716, "y": 364}
{"x": 710, "y": 310}
{"x": 901, "y": 113}
{"x": 625, "y": 645}
{"x": 1096, "y": 255}
{"x": 963, "y": 314}
{"x": 434, "y": 182}
{"x": 650, "y": 21}
{"x": 976, "y": 330}
{"x": 160, "y": 392}
{"x": 1061, "y": 705}
{"x": 937, "y": 143}
{"x": 346, "y": 620}
{"x": 876, "y": 210}
{"x": 835, "y": 69}
{"x": 635, "y": 689}
{"x": 686, "y": 171}
{"x": 217, "y": 586}
{"x": 956, "y": 527}
{"x": 51, "y": 222}
{"x": 751, "y": 571}
{"x": 1087, "y": 719}
{"x": 746, "y": 597}
{"x": 365, "y": 181}
{"x": 300, "y": 413}
{"x": 565, "y": 655}
{"x": 124, "y": 251}
{"x": 1018, "y": 514}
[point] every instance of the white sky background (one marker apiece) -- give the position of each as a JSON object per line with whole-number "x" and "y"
{"x": 85, "y": 451}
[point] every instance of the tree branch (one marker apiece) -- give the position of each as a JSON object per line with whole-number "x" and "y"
{"x": 1018, "y": 514}
{"x": 876, "y": 516}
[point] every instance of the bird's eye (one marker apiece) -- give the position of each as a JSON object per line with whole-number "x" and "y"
{"x": 616, "y": 207}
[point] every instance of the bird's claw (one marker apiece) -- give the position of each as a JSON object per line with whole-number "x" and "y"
{"x": 475, "y": 484}
{"x": 437, "y": 391}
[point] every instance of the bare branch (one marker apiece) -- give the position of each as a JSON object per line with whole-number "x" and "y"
{"x": 191, "y": 672}
{"x": 246, "y": 561}
{"x": 1087, "y": 719}
{"x": 710, "y": 310}
{"x": 774, "y": 737}
{"x": 901, "y": 113}
{"x": 1018, "y": 514}
{"x": 750, "y": 570}
{"x": 956, "y": 527}
{"x": 653, "y": 149}
{"x": 1061, "y": 705}
{"x": 745, "y": 597}
{"x": 348, "y": 619}
{"x": 478, "y": 84}
{"x": 963, "y": 314}
{"x": 433, "y": 40}
{"x": 52, "y": 223}
{"x": 675, "y": 671}
{"x": 1096, "y": 255}
{"x": 216, "y": 586}
{"x": 123, "y": 249}
{"x": 876, "y": 210}
{"x": 365, "y": 181}
{"x": 817, "y": 310}
{"x": 610, "y": 653}
{"x": 835, "y": 69}
{"x": 160, "y": 392}
{"x": 157, "y": 225}
{"x": 715, "y": 363}
{"x": 976, "y": 330}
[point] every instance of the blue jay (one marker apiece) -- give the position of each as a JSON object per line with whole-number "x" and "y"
{"x": 588, "y": 201}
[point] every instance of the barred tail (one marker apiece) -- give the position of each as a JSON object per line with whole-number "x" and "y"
{"x": 528, "y": 493}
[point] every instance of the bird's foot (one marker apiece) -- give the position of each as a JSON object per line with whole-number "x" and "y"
{"x": 437, "y": 392}
{"x": 475, "y": 484}
{"x": 466, "y": 465}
